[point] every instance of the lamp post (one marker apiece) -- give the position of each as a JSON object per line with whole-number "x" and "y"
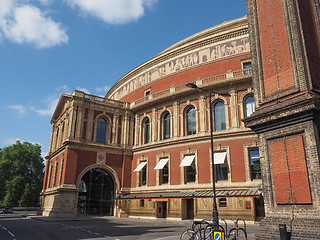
{"x": 215, "y": 214}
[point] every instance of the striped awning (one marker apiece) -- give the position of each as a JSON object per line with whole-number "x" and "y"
{"x": 192, "y": 194}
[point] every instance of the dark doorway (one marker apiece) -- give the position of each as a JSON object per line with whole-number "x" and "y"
{"x": 190, "y": 209}
{"x": 161, "y": 209}
{"x": 259, "y": 207}
{"x": 96, "y": 191}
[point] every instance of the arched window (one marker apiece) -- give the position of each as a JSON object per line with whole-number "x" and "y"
{"x": 191, "y": 121}
{"x": 146, "y": 130}
{"x": 219, "y": 116}
{"x": 166, "y": 126}
{"x": 101, "y": 130}
{"x": 249, "y": 105}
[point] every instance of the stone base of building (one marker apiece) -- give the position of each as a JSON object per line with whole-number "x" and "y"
{"x": 60, "y": 202}
{"x": 298, "y": 229}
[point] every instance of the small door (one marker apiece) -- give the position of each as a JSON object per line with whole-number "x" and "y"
{"x": 190, "y": 209}
{"x": 259, "y": 207}
{"x": 161, "y": 210}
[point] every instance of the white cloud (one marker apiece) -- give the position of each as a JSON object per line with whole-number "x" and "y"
{"x": 9, "y": 141}
{"x": 83, "y": 90}
{"x": 19, "y": 108}
{"x": 45, "y": 2}
{"x": 51, "y": 103}
{"x": 104, "y": 89}
{"x": 112, "y": 11}
{"x": 63, "y": 89}
{"x": 24, "y": 23}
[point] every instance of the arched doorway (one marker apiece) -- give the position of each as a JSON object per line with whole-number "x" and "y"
{"x": 96, "y": 191}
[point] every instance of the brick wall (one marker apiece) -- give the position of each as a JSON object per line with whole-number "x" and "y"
{"x": 276, "y": 62}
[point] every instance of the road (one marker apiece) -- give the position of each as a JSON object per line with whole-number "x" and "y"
{"x": 24, "y": 227}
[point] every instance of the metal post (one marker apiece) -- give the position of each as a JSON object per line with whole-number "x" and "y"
{"x": 215, "y": 214}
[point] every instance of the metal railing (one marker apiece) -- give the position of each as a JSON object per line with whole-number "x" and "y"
{"x": 203, "y": 82}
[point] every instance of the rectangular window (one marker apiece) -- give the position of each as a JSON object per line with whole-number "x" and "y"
{"x": 189, "y": 165}
{"x": 221, "y": 166}
{"x": 221, "y": 172}
{"x": 222, "y": 202}
{"x": 246, "y": 68}
{"x": 147, "y": 92}
{"x": 142, "y": 203}
{"x": 190, "y": 173}
{"x": 163, "y": 168}
{"x": 143, "y": 176}
{"x": 165, "y": 175}
{"x": 255, "y": 164}
{"x": 142, "y": 171}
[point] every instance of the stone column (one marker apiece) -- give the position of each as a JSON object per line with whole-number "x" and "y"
{"x": 234, "y": 109}
{"x": 203, "y": 113}
{"x": 154, "y": 125}
{"x": 137, "y": 128}
{"x": 176, "y": 119}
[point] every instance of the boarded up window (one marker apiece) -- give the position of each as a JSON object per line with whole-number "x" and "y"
{"x": 289, "y": 169}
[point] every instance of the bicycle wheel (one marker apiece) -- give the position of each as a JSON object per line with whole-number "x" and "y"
{"x": 237, "y": 234}
{"x": 189, "y": 235}
{"x": 208, "y": 232}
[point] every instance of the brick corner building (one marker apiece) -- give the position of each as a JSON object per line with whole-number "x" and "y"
{"x": 285, "y": 50}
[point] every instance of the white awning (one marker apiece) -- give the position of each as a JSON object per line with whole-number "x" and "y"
{"x": 187, "y": 161}
{"x": 161, "y": 163}
{"x": 220, "y": 157}
{"x": 140, "y": 166}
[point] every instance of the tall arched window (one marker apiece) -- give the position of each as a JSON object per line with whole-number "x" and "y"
{"x": 101, "y": 130}
{"x": 191, "y": 121}
{"x": 146, "y": 130}
{"x": 166, "y": 126}
{"x": 249, "y": 104}
{"x": 219, "y": 116}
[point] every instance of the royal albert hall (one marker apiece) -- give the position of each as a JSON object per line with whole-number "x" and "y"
{"x": 231, "y": 109}
{"x": 144, "y": 150}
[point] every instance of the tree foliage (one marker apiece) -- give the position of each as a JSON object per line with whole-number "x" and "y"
{"x": 21, "y": 174}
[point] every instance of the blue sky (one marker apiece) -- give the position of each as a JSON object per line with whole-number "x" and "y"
{"x": 49, "y": 47}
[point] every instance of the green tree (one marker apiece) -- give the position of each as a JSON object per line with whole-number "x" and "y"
{"x": 21, "y": 174}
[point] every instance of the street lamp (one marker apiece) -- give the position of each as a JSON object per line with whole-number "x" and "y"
{"x": 215, "y": 214}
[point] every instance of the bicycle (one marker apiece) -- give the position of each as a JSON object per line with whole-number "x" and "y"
{"x": 238, "y": 233}
{"x": 195, "y": 232}
{"x": 203, "y": 230}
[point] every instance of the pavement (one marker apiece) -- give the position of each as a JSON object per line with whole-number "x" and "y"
{"x": 251, "y": 226}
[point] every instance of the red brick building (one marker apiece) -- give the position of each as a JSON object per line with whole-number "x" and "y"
{"x": 144, "y": 149}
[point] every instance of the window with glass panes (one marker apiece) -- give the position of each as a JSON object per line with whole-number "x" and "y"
{"x": 191, "y": 121}
{"x": 249, "y": 105}
{"x": 164, "y": 174}
{"x": 146, "y": 130}
{"x": 143, "y": 176}
{"x": 247, "y": 68}
{"x": 101, "y": 130}
{"x": 219, "y": 116}
{"x": 166, "y": 126}
{"x": 255, "y": 164}
{"x": 221, "y": 172}
{"x": 190, "y": 173}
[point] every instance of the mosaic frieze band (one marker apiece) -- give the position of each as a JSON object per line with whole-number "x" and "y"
{"x": 181, "y": 63}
